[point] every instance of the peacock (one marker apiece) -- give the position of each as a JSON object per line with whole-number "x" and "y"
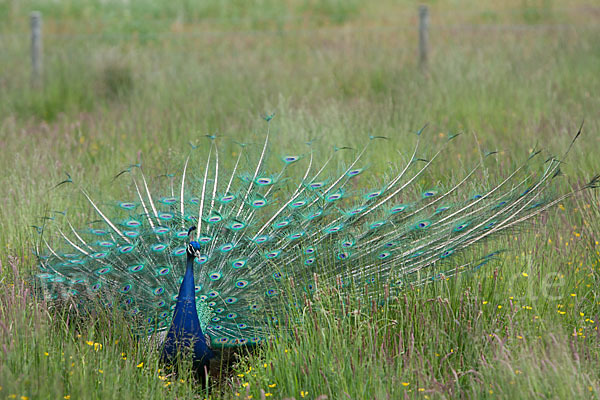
{"x": 214, "y": 259}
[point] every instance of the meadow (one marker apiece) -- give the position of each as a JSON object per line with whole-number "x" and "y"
{"x": 136, "y": 81}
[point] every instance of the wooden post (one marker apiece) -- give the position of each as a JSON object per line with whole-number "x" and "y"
{"x": 423, "y": 36}
{"x": 36, "y": 49}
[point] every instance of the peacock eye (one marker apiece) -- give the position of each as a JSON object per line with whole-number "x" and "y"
{"x": 193, "y": 250}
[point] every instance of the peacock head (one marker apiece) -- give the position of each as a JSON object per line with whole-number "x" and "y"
{"x": 193, "y": 249}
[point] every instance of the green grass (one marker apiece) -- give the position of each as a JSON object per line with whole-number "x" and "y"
{"x": 139, "y": 81}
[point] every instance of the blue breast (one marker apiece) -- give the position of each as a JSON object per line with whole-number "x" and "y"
{"x": 185, "y": 331}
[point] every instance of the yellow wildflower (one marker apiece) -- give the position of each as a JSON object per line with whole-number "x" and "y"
{"x": 524, "y": 274}
{"x": 303, "y": 393}
{"x": 140, "y": 365}
{"x": 46, "y": 354}
{"x": 405, "y": 383}
{"x": 272, "y": 385}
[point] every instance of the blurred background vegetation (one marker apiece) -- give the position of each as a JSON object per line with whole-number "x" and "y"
{"x": 136, "y": 80}
{"x": 122, "y": 77}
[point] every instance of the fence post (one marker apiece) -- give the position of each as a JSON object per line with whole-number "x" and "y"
{"x": 36, "y": 49}
{"x": 423, "y": 36}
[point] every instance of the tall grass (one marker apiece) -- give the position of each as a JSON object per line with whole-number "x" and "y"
{"x": 136, "y": 81}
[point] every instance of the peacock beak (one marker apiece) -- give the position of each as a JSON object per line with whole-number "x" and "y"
{"x": 197, "y": 254}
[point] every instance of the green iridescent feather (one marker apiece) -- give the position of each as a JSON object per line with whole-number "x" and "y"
{"x": 269, "y": 234}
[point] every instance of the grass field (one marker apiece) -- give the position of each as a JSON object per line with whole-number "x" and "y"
{"x": 129, "y": 81}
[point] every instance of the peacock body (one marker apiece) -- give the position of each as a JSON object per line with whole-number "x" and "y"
{"x": 216, "y": 259}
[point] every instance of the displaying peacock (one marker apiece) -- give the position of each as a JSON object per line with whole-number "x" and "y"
{"x": 216, "y": 258}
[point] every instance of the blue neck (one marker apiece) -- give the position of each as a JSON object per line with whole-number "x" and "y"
{"x": 185, "y": 330}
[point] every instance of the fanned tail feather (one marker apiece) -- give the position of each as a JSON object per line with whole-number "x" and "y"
{"x": 264, "y": 234}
